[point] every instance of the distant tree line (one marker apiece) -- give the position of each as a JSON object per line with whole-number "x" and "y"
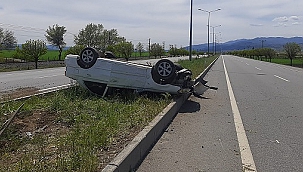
{"x": 93, "y": 35}
{"x": 291, "y": 50}
{"x": 173, "y": 51}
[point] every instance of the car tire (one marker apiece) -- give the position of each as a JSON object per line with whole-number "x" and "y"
{"x": 87, "y": 58}
{"x": 164, "y": 72}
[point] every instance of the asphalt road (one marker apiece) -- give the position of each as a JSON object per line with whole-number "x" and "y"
{"x": 206, "y": 134}
{"x": 45, "y": 79}
{"x": 39, "y": 78}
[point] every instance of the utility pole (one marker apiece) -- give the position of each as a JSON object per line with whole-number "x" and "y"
{"x": 262, "y": 42}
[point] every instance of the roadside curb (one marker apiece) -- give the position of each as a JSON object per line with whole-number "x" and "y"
{"x": 41, "y": 92}
{"x": 134, "y": 153}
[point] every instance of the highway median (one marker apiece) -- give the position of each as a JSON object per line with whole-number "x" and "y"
{"x": 73, "y": 130}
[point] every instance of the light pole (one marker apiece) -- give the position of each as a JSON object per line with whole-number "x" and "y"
{"x": 191, "y": 30}
{"x": 216, "y": 41}
{"x": 208, "y": 26}
{"x": 214, "y": 37}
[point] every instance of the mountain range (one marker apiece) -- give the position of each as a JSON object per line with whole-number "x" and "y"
{"x": 275, "y": 43}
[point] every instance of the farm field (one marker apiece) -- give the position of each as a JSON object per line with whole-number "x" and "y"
{"x": 50, "y": 55}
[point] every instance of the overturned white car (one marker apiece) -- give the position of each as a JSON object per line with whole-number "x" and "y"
{"x": 99, "y": 74}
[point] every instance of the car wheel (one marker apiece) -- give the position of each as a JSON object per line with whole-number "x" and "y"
{"x": 164, "y": 72}
{"x": 88, "y": 57}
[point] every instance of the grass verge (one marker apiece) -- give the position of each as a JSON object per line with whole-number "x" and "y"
{"x": 297, "y": 62}
{"x": 69, "y": 130}
{"x": 73, "y": 130}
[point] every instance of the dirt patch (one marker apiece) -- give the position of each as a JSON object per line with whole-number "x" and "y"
{"x": 38, "y": 122}
{"x": 28, "y": 126}
{"x": 17, "y": 93}
{"x": 43, "y": 123}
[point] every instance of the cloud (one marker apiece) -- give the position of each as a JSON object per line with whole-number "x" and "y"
{"x": 281, "y": 19}
{"x": 155, "y": 19}
{"x": 294, "y": 18}
{"x": 256, "y": 25}
{"x": 285, "y": 21}
{"x": 280, "y": 24}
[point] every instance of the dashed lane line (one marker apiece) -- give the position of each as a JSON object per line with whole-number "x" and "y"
{"x": 281, "y": 78}
{"x": 248, "y": 164}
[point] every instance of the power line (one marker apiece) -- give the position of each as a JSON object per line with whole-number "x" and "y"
{"x": 26, "y": 28}
{"x": 32, "y": 32}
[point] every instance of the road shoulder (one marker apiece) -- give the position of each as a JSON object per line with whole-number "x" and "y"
{"x": 202, "y": 136}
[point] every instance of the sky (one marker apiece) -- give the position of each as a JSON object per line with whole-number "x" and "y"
{"x": 161, "y": 21}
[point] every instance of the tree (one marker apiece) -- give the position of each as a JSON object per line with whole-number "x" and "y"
{"x": 269, "y": 52}
{"x": 110, "y": 38}
{"x": 140, "y": 48}
{"x": 7, "y": 39}
{"x": 125, "y": 49}
{"x": 94, "y": 35}
{"x": 54, "y": 35}
{"x": 33, "y": 49}
{"x": 18, "y": 54}
{"x": 76, "y": 50}
{"x": 292, "y": 49}
{"x": 184, "y": 52}
{"x": 156, "y": 50}
{"x": 91, "y": 36}
{"x": 173, "y": 50}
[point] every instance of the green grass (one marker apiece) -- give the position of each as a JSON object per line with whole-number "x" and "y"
{"x": 82, "y": 128}
{"x": 4, "y": 54}
{"x": 93, "y": 124}
{"x": 53, "y": 55}
{"x": 197, "y": 65}
{"x": 50, "y": 55}
{"x": 285, "y": 61}
{"x": 298, "y": 61}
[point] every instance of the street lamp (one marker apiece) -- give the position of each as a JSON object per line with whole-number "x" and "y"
{"x": 216, "y": 41}
{"x": 208, "y": 26}
{"x": 214, "y": 37}
{"x": 191, "y": 30}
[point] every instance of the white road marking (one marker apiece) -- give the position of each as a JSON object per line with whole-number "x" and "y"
{"x": 247, "y": 64}
{"x": 55, "y": 88}
{"x": 281, "y": 78}
{"x": 9, "y": 74}
{"x": 248, "y": 163}
{"x": 258, "y": 68}
{"x": 49, "y": 76}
